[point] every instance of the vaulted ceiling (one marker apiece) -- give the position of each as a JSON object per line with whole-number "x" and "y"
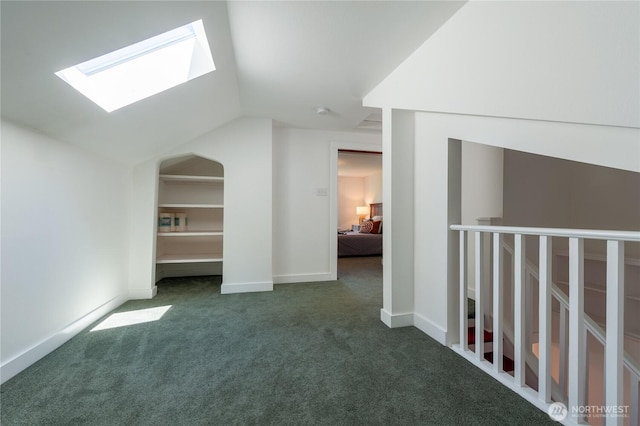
{"x": 274, "y": 59}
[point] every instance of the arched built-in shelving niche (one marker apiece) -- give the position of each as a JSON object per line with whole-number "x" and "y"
{"x": 190, "y": 231}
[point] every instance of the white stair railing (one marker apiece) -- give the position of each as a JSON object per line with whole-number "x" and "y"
{"x": 573, "y": 376}
{"x": 590, "y": 325}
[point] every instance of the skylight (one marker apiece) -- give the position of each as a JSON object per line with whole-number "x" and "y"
{"x": 143, "y": 69}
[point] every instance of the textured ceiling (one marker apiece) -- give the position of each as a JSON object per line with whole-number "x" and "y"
{"x": 274, "y": 59}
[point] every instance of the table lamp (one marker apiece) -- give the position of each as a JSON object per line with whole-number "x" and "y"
{"x": 362, "y": 212}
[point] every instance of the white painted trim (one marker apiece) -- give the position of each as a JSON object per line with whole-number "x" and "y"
{"x": 334, "y": 147}
{"x": 430, "y": 328}
{"x": 396, "y": 320}
{"x": 227, "y": 288}
{"x": 302, "y": 278}
{"x": 595, "y": 234}
{"x": 614, "y": 348}
{"x": 142, "y": 293}
{"x": 577, "y": 338}
{"x": 51, "y": 343}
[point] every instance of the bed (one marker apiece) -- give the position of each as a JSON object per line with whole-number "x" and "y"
{"x": 360, "y": 243}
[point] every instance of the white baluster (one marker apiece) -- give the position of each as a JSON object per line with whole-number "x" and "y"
{"x": 519, "y": 310}
{"x": 463, "y": 293}
{"x": 486, "y": 276}
{"x": 528, "y": 324}
{"x": 564, "y": 349}
{"x": 479, "y": 298}
{"x": 577, "y": 367}
{"x": 614, "y": 348}
{"x": 634, "y": 401}
{"x": 544, "y": 314}
{"x": 497, "y": 302}
{"x": 587, "y": 362}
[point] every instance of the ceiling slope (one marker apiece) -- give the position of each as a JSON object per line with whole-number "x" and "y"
{"x": 40, "y": 38}
{"x": 274, "y": 59}
{"x": 296, "y": 56}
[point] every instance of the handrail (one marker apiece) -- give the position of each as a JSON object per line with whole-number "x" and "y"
{"x": 595, "y": 234}
{"x": 593, "y": 327}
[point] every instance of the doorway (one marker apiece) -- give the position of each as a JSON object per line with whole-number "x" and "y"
{"x": 359, "y": 207}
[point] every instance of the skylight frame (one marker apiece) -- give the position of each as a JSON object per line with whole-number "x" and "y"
{"x": 143, "y": 69}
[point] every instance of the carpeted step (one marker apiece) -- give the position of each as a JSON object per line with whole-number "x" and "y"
{"x": 471, "y": 336}
{"x": 508, "y": 364}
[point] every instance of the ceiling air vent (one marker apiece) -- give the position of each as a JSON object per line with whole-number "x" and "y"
{"x": 372, "y": 122}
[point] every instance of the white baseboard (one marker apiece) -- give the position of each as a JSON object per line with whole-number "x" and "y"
{"x": 431, "y": 329}
{"x": 507, "y": 380}
{"x": 396, "y": 320}
{"x": 227, "y": 288}
{"x": 48, "y": 345}
{"x": 142, "y": 293}
{"x": 302, "y": 278}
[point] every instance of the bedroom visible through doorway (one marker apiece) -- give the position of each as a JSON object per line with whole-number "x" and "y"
{"x": 359, "y": 194}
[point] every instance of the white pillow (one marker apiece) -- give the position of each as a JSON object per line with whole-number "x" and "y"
{"x": 376, "y": 218}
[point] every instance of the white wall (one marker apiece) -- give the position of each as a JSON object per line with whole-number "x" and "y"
{"x": 399, "y": 166}
{"x": 482, "y": 185}
{"x": 550, "y": 78}
{"x": 373, "y": 188}
{"x": 305, "y": 200}
{"x": 350, "y": 196}
{"x": 561, "y": 61}
{"x": 482, "y": 190}
{"x": 357, "y": 191}
{"x": 244, "y": 148}
{"x": 64, "y": 241}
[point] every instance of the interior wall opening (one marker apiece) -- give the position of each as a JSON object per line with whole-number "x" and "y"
{"x": 190, "y": 225}
{"x": 359, "y": 204}
{"x": 531, "y": 190}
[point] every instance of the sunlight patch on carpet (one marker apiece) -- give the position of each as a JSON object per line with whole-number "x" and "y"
{"x": 123, "y": 319}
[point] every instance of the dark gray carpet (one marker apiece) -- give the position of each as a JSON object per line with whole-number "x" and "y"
{"x": 304, "y": 354}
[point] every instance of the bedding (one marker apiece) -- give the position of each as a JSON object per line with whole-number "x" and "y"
{"x": 359, "y": 244}
{"x": 367, "y": 242}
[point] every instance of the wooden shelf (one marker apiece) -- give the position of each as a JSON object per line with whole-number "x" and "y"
{"x": 191, "y": 234}
{"x": 189, "y": 178}
{"x": 190, "y": 258}
{"x": 186, "y": 190}
{"x": 191, "y": 206}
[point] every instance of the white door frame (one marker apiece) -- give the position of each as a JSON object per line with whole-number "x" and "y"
{"x": 333, "y": 196}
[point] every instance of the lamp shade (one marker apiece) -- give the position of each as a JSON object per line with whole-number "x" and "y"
{"x": 362, "y": 210}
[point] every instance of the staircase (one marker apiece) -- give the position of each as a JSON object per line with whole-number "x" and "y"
{"x": 507, "y": 362}
{"x": 510, "y": 358}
